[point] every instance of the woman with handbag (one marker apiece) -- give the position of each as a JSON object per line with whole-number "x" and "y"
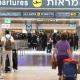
{"x": 63, "y": 51}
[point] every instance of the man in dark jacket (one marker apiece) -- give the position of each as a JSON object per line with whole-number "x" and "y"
{"x": 44, "y": 41}
{"x": 76, "y": 39}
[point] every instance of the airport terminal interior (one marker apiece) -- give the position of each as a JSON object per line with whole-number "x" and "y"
{"x": 36, "y": 26}
{"x": 34, "y": 62}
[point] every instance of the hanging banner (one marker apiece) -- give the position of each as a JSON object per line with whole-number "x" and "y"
{"x": 42, "y": 4}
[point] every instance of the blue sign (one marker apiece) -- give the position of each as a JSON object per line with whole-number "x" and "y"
{"x": 42, "y": 4}
{"x": 10, "y": 14}
{"x": 38, "y": 14}
{"x": 29, "y": 27}
{"x": 50, "y": 14}
{"x": 72, "y": 24}
{"x": 67, "y": 14}
{"x": 27, "y": 14}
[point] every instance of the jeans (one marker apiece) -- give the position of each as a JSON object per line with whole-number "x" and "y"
{"x": 60, "y": 62}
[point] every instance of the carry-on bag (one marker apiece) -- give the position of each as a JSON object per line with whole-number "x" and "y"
{"x": 70, "y": 69}
{"x": 7, "y": 64}
{"x": 15, "y": 59}
{"x": 54, "y": 62}
{"x": 49, "y": 47}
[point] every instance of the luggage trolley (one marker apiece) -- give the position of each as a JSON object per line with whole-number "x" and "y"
{"x": 70, "y": 69}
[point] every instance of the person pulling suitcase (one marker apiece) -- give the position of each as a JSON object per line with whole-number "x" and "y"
{"x": 7, "y": 42}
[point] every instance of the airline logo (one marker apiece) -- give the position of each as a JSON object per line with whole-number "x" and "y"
{"x": 37, "y": 3}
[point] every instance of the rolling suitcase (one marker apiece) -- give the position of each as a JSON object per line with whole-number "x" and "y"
{"x": 49, "y": 47}
{"x": 15, "y": 59}
{"x": 7, "y": 65}
{"x": 70, "y": 71}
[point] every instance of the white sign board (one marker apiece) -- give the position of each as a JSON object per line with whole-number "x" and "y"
{"x": 5, "y": 26}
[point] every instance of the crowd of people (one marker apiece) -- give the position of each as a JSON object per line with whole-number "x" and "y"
{"x": 72, "y": 38}
{"x": 43, "y": 40}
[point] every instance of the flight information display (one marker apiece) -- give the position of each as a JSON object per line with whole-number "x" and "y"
{"x": 41, "y": 14}
{"x": 67, "y": 14}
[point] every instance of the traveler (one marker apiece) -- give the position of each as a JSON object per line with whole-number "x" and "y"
{"x": 0, "y": 56}
{"x": 34, "y": 41}
{"x": 76, "y": 39}
{"x": 63, "y": 51}
{"x": 7, "y": 42}
{"x": 44, "y": 41}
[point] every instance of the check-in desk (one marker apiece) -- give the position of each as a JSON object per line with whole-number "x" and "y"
{"x": 34, "y": 58}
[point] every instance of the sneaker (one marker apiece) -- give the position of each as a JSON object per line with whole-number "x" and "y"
{"x": 12, "y": 70}
{"x": 15, "y": 70}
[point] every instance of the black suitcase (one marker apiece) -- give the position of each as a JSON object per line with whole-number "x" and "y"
{"x": 7, "y": 64}
{"x": 49, "y": 47}
{"x": 15, "y": 59}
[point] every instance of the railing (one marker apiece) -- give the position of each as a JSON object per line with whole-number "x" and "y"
{"x": 21, "y": 44}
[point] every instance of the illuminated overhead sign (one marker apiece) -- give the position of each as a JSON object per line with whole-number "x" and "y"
{"x": 67, "y": 14}
{"x": 13, "y": 3}
{"x": 29, "y": 27}
{"x": 7, "y": 21}
{"x": 41, "y": 14}
{"x": 27, "y": 14}
{"x": 10, "y": 14}
{"x": 5, "y": 26}
{"x": 42, "y": 4}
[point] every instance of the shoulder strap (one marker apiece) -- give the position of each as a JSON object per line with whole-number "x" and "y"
{"x": 8, "y": 38}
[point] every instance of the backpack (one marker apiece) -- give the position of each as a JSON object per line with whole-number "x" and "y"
{"x": 8, "y": 45}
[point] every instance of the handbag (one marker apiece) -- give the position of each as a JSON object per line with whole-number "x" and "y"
{"x": 54, "y": 62}
{"x": 78, "y": 69}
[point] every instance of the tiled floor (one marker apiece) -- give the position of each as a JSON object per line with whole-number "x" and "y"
{"x": 39, "y": 72}
{"x": 37, "y": 58}
{"x": 33, "y": 73}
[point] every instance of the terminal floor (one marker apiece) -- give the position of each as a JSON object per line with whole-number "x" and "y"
{"x": 36, "y": 58}
{"x": 33, "y": 73}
